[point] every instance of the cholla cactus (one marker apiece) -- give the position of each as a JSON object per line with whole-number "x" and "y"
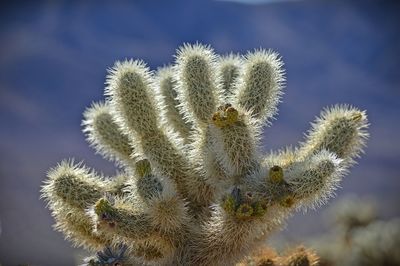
{"x": 358, "y": 236}
{"x": 376, "y": 244}
{"x": 195, "y": 189}
{"x": 351, "y": 213}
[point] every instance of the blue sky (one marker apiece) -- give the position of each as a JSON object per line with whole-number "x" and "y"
{"x": 53, "y": 61}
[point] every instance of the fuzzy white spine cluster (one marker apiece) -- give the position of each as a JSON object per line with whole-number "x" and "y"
{"x": 196, "y": 189}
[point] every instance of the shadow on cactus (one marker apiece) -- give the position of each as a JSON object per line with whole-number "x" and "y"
{"x": 195, "y": 188}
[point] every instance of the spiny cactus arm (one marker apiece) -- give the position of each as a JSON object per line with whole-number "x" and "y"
{"x": 306, "y": 183}
{"x": 260, "y": 87}
{"x": 340, "y": 129}
{"x": 151, "y": 231}
{"x": 168, "y": 102}
{"x": 131, "y": 97}
{"x": 73, "y": 184}
{"x": 315, "y": 180}
{"x": 229, "y": 68}
{"x": 132, "y": 100}
{"x": 104, "y": 134}
{"x": 235, "y": 139}
{"x": 69, "y": 190}
{"x": 197, "y": 83}
{"x": 313, "y": 171}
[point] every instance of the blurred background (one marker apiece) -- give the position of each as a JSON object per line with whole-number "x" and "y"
{"x": 53, "y": 61}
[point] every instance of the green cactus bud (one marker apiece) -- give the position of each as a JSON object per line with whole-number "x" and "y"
{"x": 229, "y": 204}
{"x": 276, "y": 174}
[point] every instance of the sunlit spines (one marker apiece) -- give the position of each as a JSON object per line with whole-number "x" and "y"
{"x": 260, "y": 87}
{"x": 73, "y": 184}
{"x": 168, "y": 102}
{"x": 235, "y": 140}
{"x": 69, "y": 190}
{"x": 132, "y": 100}
{"x": 104, "y": 134}
{"x": 229, "y": 68}
{"x": 197, "y": 82}
{"x": 314, "y": 180}
{"x": 340, "y": 129}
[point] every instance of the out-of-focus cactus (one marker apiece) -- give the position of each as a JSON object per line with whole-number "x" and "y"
{"x": 376, "y": 244}
{"x": 358, "y": 237}
{"x": 196, "y": 189}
